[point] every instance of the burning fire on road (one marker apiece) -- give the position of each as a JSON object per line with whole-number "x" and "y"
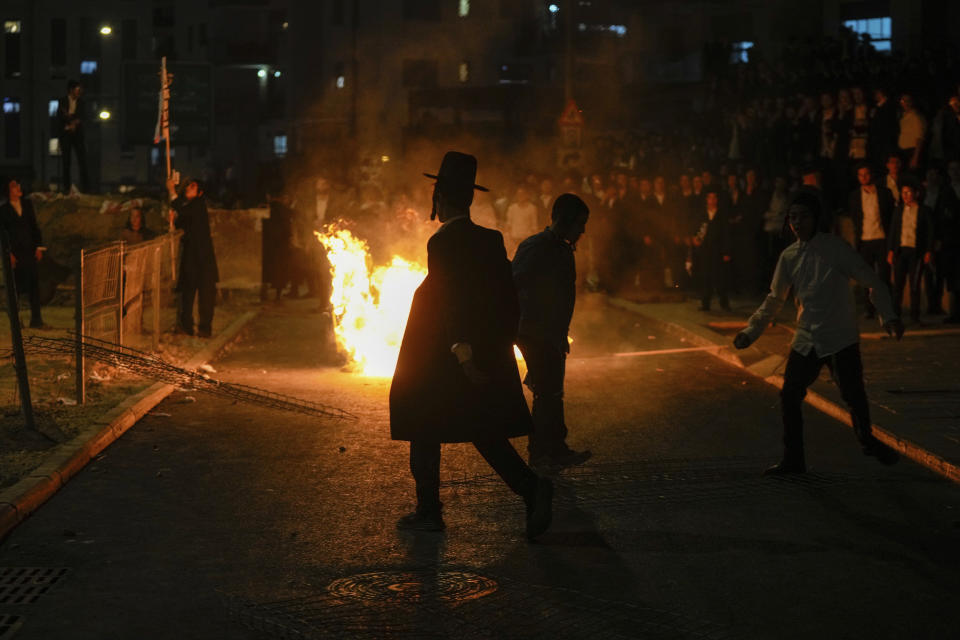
{"x": 370, "y": 303}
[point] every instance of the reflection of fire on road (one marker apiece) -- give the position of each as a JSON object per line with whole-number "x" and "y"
{"x": 370, "y": 304}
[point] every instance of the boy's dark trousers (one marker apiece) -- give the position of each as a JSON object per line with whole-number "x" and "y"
{"x": 802, "y": 371}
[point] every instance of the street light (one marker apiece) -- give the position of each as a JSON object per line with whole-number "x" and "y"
{"x": 105, "y": 114}
{"x": 262, "y": 73}
{"x": 106, "y": 30}
{"x": 276, "y": 74}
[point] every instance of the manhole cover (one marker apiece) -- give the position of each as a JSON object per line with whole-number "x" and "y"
{"x": 9, "y": 625}
{"x": 25, "y": 585}
{"x": 414, "y": 586}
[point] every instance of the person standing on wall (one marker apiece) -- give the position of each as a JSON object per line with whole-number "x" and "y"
{"x": 71, "y": 132}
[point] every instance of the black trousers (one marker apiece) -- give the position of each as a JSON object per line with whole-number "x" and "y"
{"x": 802, "y": 371}
{"x": 499, "y": 454}
{"x": 875, "y": 253}
{"x": 73, "y": 142}
{"x": 933, "y": 280}
{"x": 714, "y": 275}
{"x": 907, "y": 268}
{"x": 205, "y": 293}
{"x": 26, "y": 275}
{"x": 546, "y": 369}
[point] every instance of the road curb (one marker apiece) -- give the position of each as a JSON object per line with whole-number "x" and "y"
{"x": 767, "y": 365}
{"x": 26, "y": 496}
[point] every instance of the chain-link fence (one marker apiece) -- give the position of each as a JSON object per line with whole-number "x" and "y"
{"x": 122, "y": 292}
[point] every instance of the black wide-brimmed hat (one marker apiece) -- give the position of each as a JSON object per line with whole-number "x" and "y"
{"x": 457, "y": 173}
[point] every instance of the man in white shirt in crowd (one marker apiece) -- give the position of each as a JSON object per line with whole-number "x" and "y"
{"x": 818, "y": 268}
{"x": 871, "y": 209}
{"x": 910, "y": 247}
{"x": 522, "y": 220}
{"x": 913, "y": 132}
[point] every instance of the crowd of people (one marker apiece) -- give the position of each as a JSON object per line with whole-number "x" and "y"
{"x": 701, "y": 207}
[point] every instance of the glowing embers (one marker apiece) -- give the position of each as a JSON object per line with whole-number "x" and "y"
{"x": 414, "y": 586}
{"x": 370, "y": 304}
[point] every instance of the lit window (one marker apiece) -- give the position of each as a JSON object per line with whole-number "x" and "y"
{"x": 11, "y": 26}
{"x": 88, "y": 67}
{"x": 879, "y": 29}
{"x": 53, "y": 146}
{"x": 464, "y": 9}
{"x": 341, "y": 82}
{"x": 740, "y": 52}
{"x": 280, "y": 145}
{"x": 52, "y": 107}
{"x": 11, "y": 106}
{"x": 464, "y": 72}
{"x": 155, "y": 156}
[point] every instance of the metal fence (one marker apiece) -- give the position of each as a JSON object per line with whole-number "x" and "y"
{"x": 116, "y": 284}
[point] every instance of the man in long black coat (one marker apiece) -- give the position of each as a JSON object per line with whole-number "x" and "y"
{"x": 198, "y": 275}
{"x": 712, "y": 255}
{"x": 456, "y": 378}
{"x": 19, "y": 221}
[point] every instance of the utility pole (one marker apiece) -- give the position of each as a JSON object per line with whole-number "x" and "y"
{"x": 568, "y": 19}
{"x": 19, "y": 357}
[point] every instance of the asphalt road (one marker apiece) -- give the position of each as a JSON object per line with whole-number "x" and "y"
{"x": 217, "y": 520}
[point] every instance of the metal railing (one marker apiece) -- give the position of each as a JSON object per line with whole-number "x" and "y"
{"x": 115, "y": 283}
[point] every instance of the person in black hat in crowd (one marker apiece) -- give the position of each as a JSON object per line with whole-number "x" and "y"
{"x": 910, "y": 246}
{"x": 545, "y": 273}
{"x": 711, "y": 256}
{"x": 198, "y": 275}
{"x": 456, "y": 378}
{"x": 19, "y": 221}
{"x": 818, "y": 268}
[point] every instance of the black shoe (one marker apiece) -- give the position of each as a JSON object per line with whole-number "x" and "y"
{"x": 785, "y": 467}
{"x": 951, "y": 320}
{"x": 570, "y": 458}
{"x": 43, "y": 326}
{"x": 422, "y": 520}
{"x": 935, "y": 311}
{"x": 540, "y": 508}
{"x": 204, "y": 333}
{"x": 884, "y": 454}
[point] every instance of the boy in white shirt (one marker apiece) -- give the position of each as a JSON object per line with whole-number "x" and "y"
{"x": 818, "y": 268}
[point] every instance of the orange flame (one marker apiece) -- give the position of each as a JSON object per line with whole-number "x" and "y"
{"x": 370, "y": 305}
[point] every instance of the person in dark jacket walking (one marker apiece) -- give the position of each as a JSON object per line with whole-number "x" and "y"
{"x": 19, "y": 221}
{"x": 545, "y": 273}
{"x": 910, "y": 247}
{"x": 198, "y": 275}
{"x": 456, "y": 378}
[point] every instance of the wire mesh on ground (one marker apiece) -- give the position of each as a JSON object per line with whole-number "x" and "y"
{"x": 151, "y": 366}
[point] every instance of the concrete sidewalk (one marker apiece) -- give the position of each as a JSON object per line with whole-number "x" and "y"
{"x": 913, "y": 385}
